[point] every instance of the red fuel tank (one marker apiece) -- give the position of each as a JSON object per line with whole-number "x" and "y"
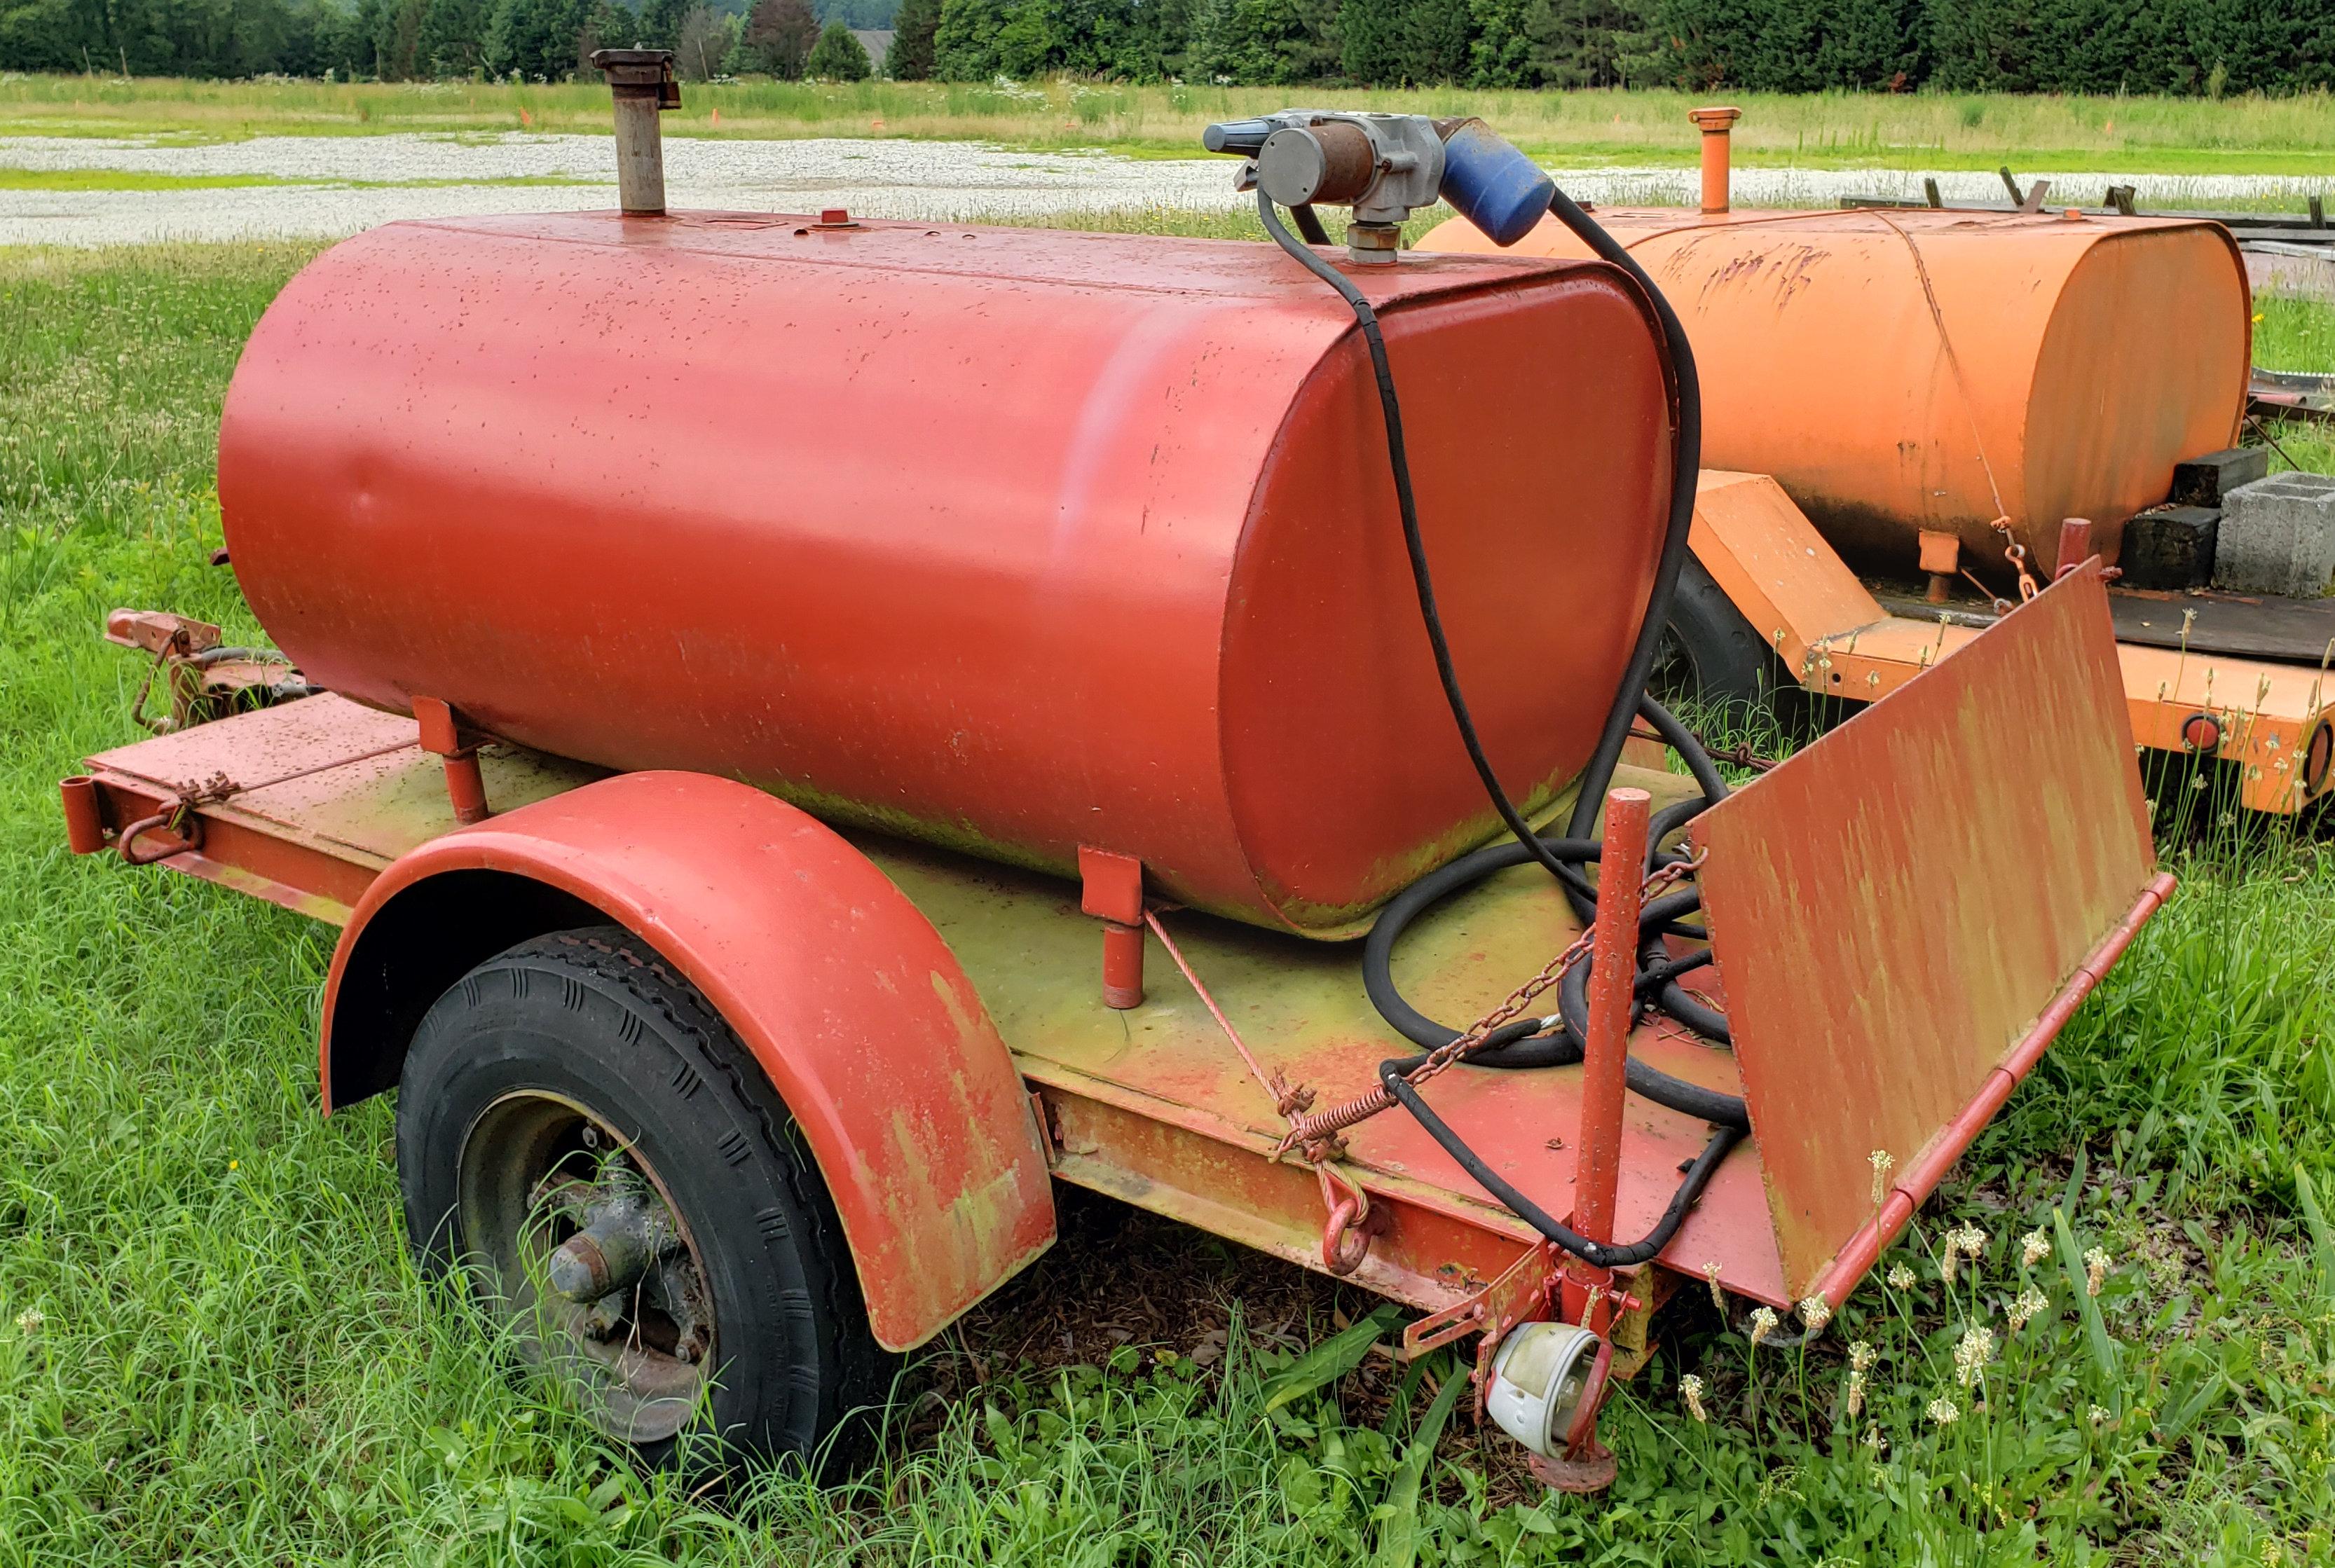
{"x": 1009, "y": 539}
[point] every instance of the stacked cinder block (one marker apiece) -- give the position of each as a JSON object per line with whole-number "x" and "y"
{"x": 2277, "y": 536}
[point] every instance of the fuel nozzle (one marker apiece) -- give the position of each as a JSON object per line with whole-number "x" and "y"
{"x": 1385, "y": 167}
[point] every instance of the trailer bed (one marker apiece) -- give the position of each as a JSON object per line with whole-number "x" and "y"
{"x": 1152, "y": 1105}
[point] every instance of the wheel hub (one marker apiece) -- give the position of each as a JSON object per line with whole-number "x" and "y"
{"x": 578, "y": 1242}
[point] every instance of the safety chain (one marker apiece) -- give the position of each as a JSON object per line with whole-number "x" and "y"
{"x": 2016, "y": 553}
{"x": 176, "y": 815}
{"x": 1741, "y": 754}
{"x": 1315, "y": 1136}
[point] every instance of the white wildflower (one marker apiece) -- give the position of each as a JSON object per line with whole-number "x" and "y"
{"x": 1816, "y": 1312}
{"x": 1875, "y": 1440}
{"x": 1691, "y": 1390}
{"x": 1943, "y": 1411}
{"x": 1717, "y": 1296}
{"x": 2098, "y": 1414}
{"x": 1861, "y": 1355}
{"x": 1763, "y": 1323}
{"x": 2096, "y": 1270}
{"x": 1971, "y": 1356}
{"x": 1855, "y": 1404}
{"x": 2033, "y": 1248}
{"x": 29, "y": 1321}
{"x": 2024, "y": 1309}
{"x": 1901, "y": 1278}
{"x": 1882, "y": 1162}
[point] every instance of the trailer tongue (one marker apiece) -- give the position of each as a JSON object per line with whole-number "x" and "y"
{"x": 715, "y": 1099}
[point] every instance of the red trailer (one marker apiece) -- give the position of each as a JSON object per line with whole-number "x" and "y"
{"x": 815, "y": 731}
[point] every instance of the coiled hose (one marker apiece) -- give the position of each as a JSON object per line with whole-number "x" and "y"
{"x": 1530, "y": 1042}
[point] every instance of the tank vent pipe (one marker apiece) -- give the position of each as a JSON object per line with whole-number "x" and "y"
{"x": 1714, "y": 125}
{"x": 644, "y": 85}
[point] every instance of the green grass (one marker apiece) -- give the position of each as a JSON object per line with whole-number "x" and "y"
{"x": 2294, "y": 136}
{"x": 212, "y": 1350}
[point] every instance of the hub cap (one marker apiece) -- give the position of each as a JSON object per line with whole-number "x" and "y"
{"x": 577, "y": 1243}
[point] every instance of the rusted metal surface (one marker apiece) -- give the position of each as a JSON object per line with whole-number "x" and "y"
{"x": 201, "y": 680}
{"x": 1154, "y": 1104}
{"x": 1715, "y": 125}
{"x": 865, "y": 1023}
{"x": 360, "y": 793}
{"x": 642, "y": 85}
{"x": 1182, "y": 1113}
{"x": 1605, "y": 1062}
{"x": 1909, "y": 369}
{"x": 457, "y": 747}
{"x": 1839, "y": 640}
{"x": 1906, "y": 1191}
{"x": 1897, "y": 907}
{"x": 1062, "y": 540}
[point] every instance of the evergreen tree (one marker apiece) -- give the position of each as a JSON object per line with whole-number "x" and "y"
{"x": 837, "y": 56}
{"x": 910, "y": 58}
{"x": 1265, "y": 42}
{"x": 447, "y": 42}
{"x": 396, "y": 38}
{"x": 964, "y": 41}
{"x": 659, "y": 23}
{"x": 778, "y": 37}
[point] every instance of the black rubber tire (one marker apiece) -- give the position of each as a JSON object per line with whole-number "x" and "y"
{"x": 594, "y": 1015}
{"x": 1713, "y": 656}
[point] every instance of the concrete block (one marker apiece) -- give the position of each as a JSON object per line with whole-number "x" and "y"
{"x": 2204, "y": 482}
{"x": 2171, "y": 547}
{"x": 2277, "y": 536}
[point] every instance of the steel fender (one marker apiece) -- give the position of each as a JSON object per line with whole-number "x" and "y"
{"x": 845, "y": 994}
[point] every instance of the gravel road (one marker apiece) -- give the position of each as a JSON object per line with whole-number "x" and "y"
{"x": 346, "y": 183}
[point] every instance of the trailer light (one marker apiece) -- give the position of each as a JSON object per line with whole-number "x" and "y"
{"x": 1540, "y": 1377}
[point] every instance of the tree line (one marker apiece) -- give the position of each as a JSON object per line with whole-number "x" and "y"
{"x": 2144, "y": 46}
{"x": 426, "y": 40}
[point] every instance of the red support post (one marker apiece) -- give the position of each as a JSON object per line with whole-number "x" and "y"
{"x": 442, "y": 731}
{"x": 2074, "y": 546}
{"x": 1614, "y": 968}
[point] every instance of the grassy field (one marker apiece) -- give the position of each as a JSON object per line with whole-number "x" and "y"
{"x": 212, "y": 1350}
{"x": 2294, "y": 136}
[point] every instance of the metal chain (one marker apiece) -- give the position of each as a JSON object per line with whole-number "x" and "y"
{"x": 2016, "y": 553}
{"x": 1313, "y": 1135}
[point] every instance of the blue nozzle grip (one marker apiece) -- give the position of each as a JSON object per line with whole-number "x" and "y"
{"x": 1493, "y": 187}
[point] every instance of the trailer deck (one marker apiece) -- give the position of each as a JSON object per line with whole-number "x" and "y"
{"x": 1834, "y": 868}
{"x": 1150, "y": 1105}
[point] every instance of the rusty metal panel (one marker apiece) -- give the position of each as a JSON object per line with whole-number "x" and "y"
{"x": 1301, "y": 1008}
{"x": 1896, "y": 905}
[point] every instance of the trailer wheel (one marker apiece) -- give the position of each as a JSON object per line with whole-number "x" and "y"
{"x": 580, "y": 1130}
{"x": 1710, "y": 653}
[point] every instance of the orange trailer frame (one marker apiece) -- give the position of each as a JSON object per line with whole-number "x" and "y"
{"x": 973, "y": 988}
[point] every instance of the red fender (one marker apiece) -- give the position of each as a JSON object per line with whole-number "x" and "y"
{"x": 843, "y": 991}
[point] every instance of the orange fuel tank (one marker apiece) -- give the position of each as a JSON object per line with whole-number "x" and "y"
{"x": 1007, "y": 540}
{"x": 1915, "y": 369}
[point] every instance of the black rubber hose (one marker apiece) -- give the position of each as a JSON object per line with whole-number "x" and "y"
{"x": 1686, "y": 470}
{"x": 1682, "y": 740}
{"x": 1561, "y": 1050}
{"x": 1309, "y": 224}
{"x": 1603, "y": 1254}
{"x": 1629, "y": 701}
{"x": 1415, "y": 545}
